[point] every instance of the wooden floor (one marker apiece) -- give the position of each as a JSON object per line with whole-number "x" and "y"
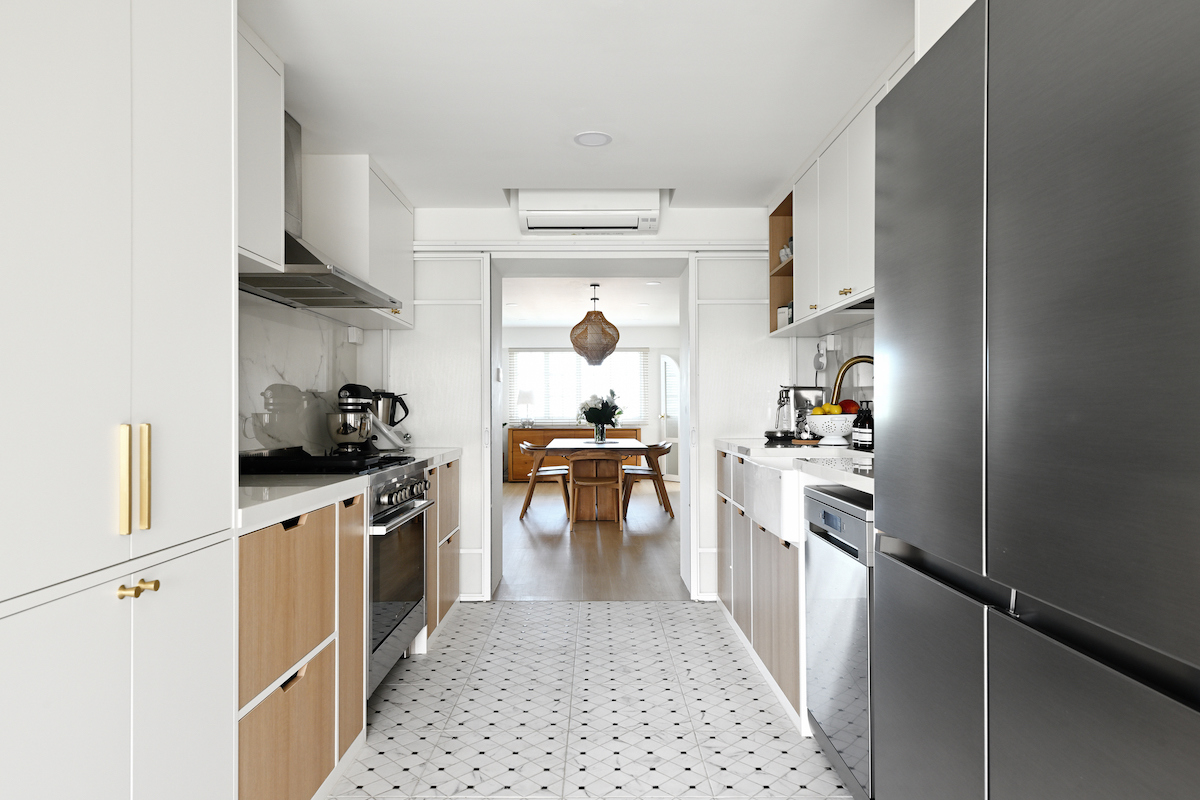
{"x": 544, "y": 561}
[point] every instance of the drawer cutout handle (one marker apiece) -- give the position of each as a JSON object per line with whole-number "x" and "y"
{"x": 723, "y": 500}
{"x": 741, "y": 460}
{"x": 787, "y": 545}
{"x": 353, "y": 501}
{"x": 295, "y": 522}
{"x": 292, "y": 681}
{"x": 433, "y": 471}
{"x": 741, "y": 513}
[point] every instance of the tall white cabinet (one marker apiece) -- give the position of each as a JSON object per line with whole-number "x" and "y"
{"x": 260, "y": 153}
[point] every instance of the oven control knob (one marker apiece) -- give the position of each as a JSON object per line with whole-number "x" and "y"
{"x": 426, "y": 486}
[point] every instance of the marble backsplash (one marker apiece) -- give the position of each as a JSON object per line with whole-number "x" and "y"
{"x": 278, "y": 345}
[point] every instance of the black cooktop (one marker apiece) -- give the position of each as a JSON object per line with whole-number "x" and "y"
{"x": 295, "y": 461}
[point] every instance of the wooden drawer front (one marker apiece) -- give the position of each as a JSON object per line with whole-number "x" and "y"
{"x": 737, "y": 481}
{"x": 786, "y": 633}
{"x": 431, "y": 554}
{"x": 285, "y": 745}
{"x": 724, "y": 472}
{"x": 447, "y": 575}
{"x": 286, "y": 597}
{"x": 447, "y": 498}
{"x": 351, "y": 616}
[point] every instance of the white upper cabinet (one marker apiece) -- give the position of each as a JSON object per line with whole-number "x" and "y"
{"x": 805, "y": 234}
{"x": 834, "y": 225}
{"x": 260, "y": 153}
{"x": 356, "y": 216}
{"x": 860, "y": 272}
{"x": 127, "y": 232}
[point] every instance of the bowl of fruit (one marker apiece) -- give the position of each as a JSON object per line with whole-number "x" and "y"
{"x": 833, "y": 422}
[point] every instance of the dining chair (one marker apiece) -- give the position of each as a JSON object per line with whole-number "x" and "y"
{"x": 635, "y": 474}
{"x": 557, "y": 473}
{"x": 616, "y": 481}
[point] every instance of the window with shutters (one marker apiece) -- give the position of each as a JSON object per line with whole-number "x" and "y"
{"x": 558, "y": 380}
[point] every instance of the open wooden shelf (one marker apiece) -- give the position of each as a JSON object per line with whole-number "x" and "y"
{"x": 780, "y": 273}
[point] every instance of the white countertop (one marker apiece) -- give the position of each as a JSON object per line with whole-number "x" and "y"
{"x": 264, "y": 500}
{"x": 843, "y": 465}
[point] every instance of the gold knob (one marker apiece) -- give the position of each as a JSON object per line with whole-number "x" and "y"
{"x": 148, "y": 586}
{"x": 813, "y": 306}
{"x": 846, "y": 291}
{"x": 124, "y": 591}
{"x": 395, "y": 311}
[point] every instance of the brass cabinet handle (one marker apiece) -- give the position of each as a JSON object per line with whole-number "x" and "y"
{"x": 125, "y": 517}
{"x": 722, "y": 499}
{"x": 846, "y": 291}
{"x": 144, "y": 472}
{"x": 813, "y": 306}
{"x": 148, "y": 586}
{"x": 124, "y": 591}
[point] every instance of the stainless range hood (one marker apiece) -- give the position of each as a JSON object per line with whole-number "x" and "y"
{"x": 310, "y": 279}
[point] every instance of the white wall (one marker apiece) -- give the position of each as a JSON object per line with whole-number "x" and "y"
{"x": 934, "y": 18}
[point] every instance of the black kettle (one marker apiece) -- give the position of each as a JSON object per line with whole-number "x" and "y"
{"x": 387, "y": 406}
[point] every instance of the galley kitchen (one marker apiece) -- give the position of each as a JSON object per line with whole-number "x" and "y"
{"x": 571, "y": 400}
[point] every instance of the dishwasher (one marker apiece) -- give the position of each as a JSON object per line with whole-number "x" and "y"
{"x": 838, "y": 565}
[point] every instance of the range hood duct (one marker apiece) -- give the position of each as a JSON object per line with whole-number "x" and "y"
{"x": 309, "y": 278}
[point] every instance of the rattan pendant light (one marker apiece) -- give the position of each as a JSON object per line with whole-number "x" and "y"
{"x": 595, "y": 338}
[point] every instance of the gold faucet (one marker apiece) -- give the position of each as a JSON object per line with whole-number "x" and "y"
{"x": 841, "y": 374}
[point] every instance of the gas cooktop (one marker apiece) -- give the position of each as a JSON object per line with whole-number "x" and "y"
{"x": 295, "y": 461}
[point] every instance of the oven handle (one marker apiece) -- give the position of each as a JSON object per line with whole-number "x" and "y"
{"x": 415, "y": 511}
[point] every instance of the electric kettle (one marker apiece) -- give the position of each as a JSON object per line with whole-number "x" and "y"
{"x": 387, "y": 406}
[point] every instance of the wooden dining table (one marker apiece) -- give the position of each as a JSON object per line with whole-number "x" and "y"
{"x": 594, "y": 504}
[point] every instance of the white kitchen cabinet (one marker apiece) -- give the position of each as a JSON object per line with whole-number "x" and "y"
{"x": 860, "y": 271}
{"x": 127, "y": 232}
{"x": 183, "y": 678}
{"x": 356, "y": 216}
{"x": 833, "y": 243}
{"x": 66, "y": 698}
{"x": 806, "y": 233}
{"x": 260, "y": 153}
{"x": 184, "y": 272}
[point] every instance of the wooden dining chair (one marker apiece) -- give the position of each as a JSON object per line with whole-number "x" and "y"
{"x": 616, "y": 481}
{"x": 557, "y": 473}
{"x": 635, "y": 474}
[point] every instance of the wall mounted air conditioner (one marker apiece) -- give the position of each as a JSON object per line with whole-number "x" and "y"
{"x": 558, "y": 212}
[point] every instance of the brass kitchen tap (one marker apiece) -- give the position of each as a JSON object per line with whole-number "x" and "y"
{"x": 841, "y": 374}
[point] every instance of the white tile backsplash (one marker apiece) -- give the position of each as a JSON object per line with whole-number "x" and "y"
{"x": 282, "y": 345}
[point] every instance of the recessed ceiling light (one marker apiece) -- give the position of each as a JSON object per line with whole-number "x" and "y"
{"x": 592, "y": 139}
{"x": 653, "y": 283}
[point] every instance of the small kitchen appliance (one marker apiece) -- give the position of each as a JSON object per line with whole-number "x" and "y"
{"x": 350, "y": 425}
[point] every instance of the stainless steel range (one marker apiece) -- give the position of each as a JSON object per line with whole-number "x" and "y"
{"x": 396, "y": 585}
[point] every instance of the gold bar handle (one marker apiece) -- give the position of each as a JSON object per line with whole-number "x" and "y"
{"x": 125, "y": 479}
{"x": 144, "y": 473}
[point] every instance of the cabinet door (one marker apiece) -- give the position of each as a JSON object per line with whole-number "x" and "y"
{"x": 285, "y": 597}
{"x": 724, "y": 552}
{"x": 834, "y": 218}
{"x": 448, "y": 571}
{"x": 741, "y": 553}
{"x": 927, "y": 687}
{"x": 285, "y": 744}
{"x": 806, "y": 238}
{"x": 183, "y": 375}
{"x": 762, "y": 595}
{"x": 183, "y": 690}
{"x": 447, "y": 498}
{"x": 79, "y": 641}
{"x": 391, "y": 245}
{"x": 351, "y": 617}
{"x": 929, "y": 292}
{"x": 260, "y": 153}
{"x": 65, "y": 200}
{"x": 431, "y": 552}
{"x": 786, "y": 629}
{"x": 1063, "y": 725}
{"x": 860, "y": 272}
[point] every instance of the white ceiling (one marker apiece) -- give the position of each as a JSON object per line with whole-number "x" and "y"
{"x": 543, "y": 302}
{"x": 461, "y": 99}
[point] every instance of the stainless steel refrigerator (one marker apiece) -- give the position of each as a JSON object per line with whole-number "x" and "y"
{"x": 1037, "y": 589}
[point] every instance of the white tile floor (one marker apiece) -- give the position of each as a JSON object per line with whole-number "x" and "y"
{"x": 581, "y": 700}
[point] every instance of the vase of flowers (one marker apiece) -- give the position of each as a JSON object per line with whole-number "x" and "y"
{"x": 600, "y": 412}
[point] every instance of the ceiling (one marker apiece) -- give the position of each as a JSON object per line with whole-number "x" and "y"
{"x": 459, "y": 100}
{"x": 561, "y": 302}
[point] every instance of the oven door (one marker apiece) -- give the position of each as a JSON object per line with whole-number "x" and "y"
{"x": 397, "y": 586}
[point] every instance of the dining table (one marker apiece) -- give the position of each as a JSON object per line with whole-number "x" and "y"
{"x": 602, "y": 504}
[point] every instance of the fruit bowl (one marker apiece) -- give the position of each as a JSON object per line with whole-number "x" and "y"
{"x": 832, "y": 428}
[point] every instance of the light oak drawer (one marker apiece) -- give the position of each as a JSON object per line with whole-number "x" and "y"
{"x": 285, "y": 744}
{"x": 351, "y": 616}
{"x": 448, "y": 565}
{"x": 286, "y": 597}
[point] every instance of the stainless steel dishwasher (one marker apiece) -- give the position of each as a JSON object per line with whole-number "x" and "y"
{"x": 838, "y": 562}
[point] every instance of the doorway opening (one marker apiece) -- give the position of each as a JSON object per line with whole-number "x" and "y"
{"x": 620, "y": 546}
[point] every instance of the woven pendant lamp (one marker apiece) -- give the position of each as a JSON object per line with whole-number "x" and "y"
{"x": 595, "y": 338}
